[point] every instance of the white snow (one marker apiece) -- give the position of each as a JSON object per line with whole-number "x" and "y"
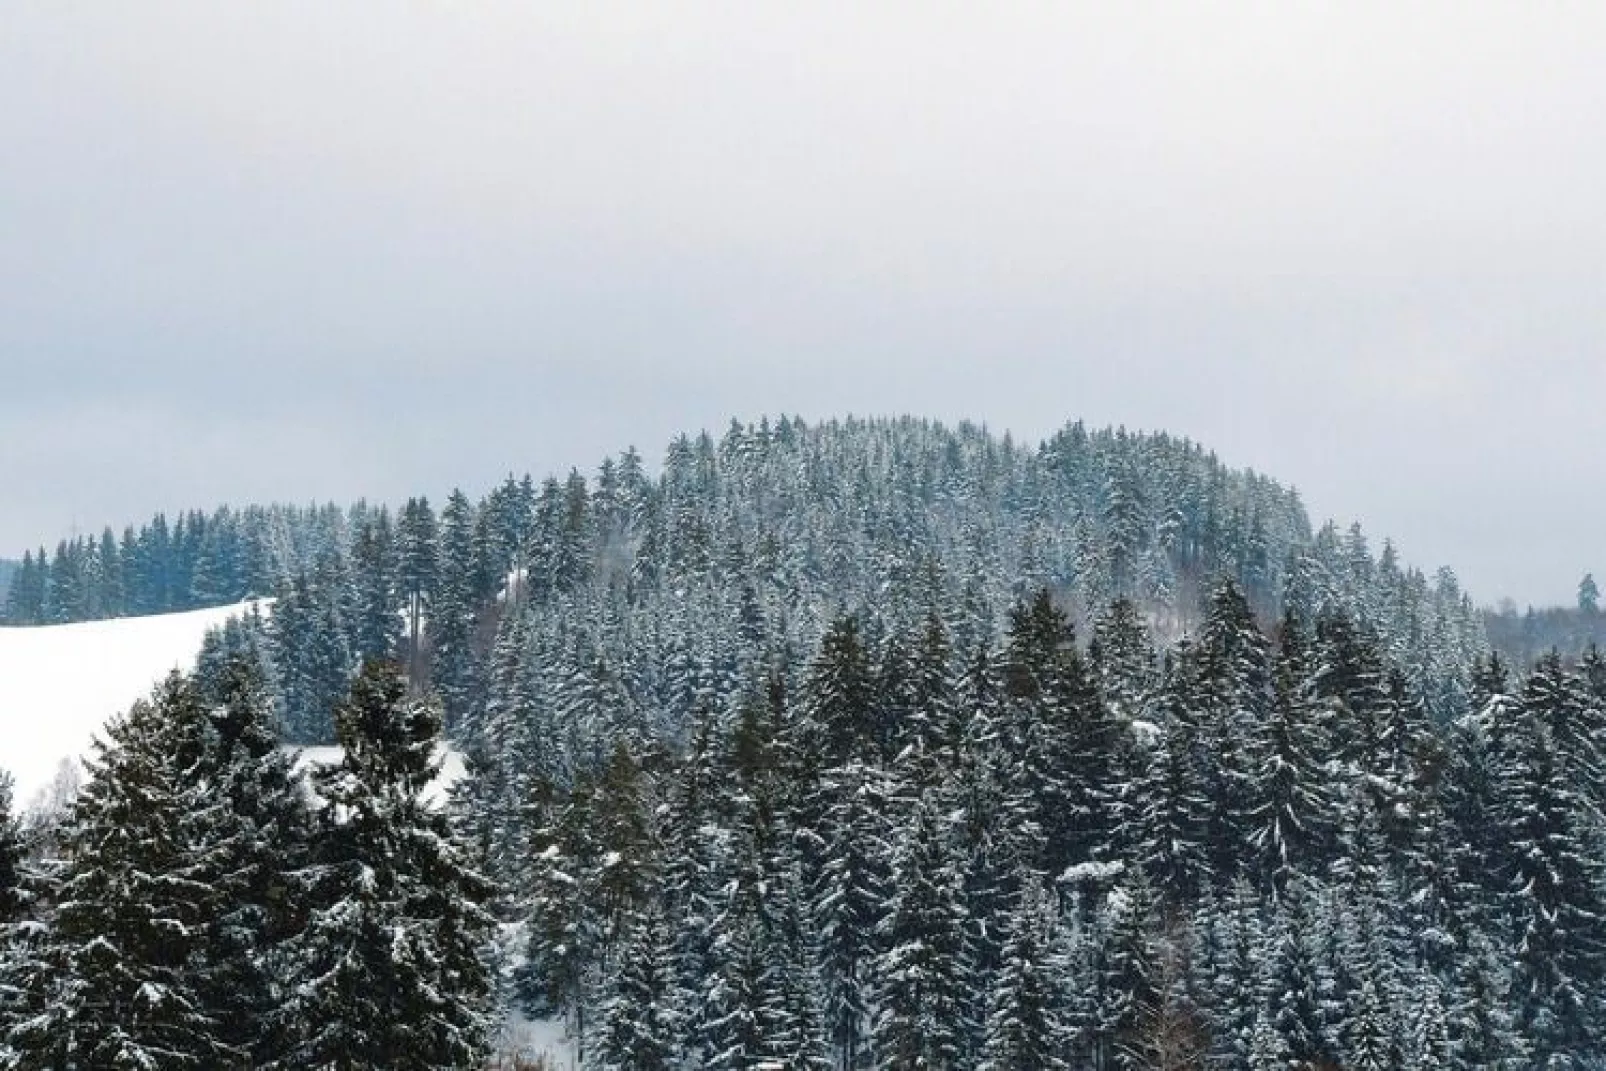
{"x": 436, "y": 794}
{"x": 538, "y": 1039}
{"x": 59, "y": 684}
{"x": 1147, "y": 732}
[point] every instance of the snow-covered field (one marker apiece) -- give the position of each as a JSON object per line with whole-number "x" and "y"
{"x": 60, "y": 683}
{"x": 436, "y": 794}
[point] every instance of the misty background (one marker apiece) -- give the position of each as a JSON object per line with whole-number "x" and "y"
{"x": 303, "y": 251}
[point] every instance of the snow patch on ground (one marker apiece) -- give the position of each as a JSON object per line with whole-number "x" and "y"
{"x": 60, "y": 684}
{"x": 538, "y": 1039}
{"x": 436, "y": 795}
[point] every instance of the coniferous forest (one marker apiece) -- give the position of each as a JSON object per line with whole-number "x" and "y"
{"x": 865, "y": 745}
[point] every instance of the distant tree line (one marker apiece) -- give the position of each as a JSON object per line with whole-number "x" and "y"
{"x": 1524, "y": 637}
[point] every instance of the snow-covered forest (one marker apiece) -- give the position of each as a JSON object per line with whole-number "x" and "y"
{"x": 869, "y": 744}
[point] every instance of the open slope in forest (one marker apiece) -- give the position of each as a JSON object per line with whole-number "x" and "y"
{"x": 59, "y": 684}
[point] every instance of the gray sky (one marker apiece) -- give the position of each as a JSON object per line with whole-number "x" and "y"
{"x": 309, "y": 250}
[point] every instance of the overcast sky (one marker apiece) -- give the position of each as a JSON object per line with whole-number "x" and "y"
{"x": 312, "y": 250}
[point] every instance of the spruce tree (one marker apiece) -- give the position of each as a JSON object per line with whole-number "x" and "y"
{"x": 115, "y": 985}
{"x": 1128, "y": 975}
{"x": 639, "y": 1019}
{"x": 1024, "y": 1028}
{"x": 388, "y": 969}
{"x": 1289, "y": 810}
{"x": 11, "y": 855}
{"x": 849, "y": 903}
{"x": 1232, "y": 691}
{"x": 1555, "y": 893}
{"x": 1167, "y": 812}
{"x": 252, "y": 837}
{"x": 923, "y": 973}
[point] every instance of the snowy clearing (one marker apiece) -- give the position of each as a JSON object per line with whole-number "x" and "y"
{"x": 436, "y": 795}
{"x": 59, "y": 684}
{"x": 537, "y": 1039}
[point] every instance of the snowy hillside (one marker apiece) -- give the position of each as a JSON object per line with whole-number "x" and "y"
{"x": 59, "y": 684}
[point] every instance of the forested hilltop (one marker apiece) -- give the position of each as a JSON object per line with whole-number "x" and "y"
{"x": 656, "y": 576}
{"x": 861, "y": 745}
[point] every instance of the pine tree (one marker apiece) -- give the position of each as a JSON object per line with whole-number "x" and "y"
{"x": 1482, "y": 1026}
{"x": 1067, "y": 757}
{"x": 1232, "y": 691}
{"x": 1168, "y": 810}
{"x": 417, "y": 560}
{"x": 1289, "y": 811}
{"x": 1235, "y": 989}
{"x": 924, "y": 980}
{"x": 849, "y": 902}
{"x": 1024, "y": 1031}
{"x": 1555, "y": 893}
{"x": 11, "y": 856}
{"x": 251, "y": 836}
{"x": 1293, "y": 984}
{"x": 13, "y": 901}
{"x": 639, "y": 1020}
{"x": 838, "y": 697}
{"x": 376, "y": 627}
{"x": 455, "y": 666}
{"x": 388, "y": 969}
{"x": 116, "y": 985}
{"x": 1588, "y": 595}
{"x": 1128, "y": 975}
{"x": 1428, "y": 1046}
{"x": 790, "y": 1001}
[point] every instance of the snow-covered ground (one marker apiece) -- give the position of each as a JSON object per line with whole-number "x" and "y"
{"x": 538, "y": 1039}
{"x": 436, "y": 794}
{"x": 60, "y": 684}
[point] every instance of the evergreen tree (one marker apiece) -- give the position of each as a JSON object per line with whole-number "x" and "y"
{"x": 455, "y": 665}
{"x": 417, "y": 559}
{"x": 388, "y": 969}
{"x": 849, "y": 903}
{"x": 11, "y": 856}
{"x": 1024, "y": 1031}
{"x": 251, "y": 837}
{"x": 639, "y": 1020}
{"x": 1232, "y": 691}
{"x": 376, "y": 630}
{"x": 1588, "y": 595}
{"x": 116, "y": 985}
{"x": 1293, "y": 985}
{"x": 1128, "y": 975}
{"x": 1168, "y": 809}
{"x": 1289, "y": 811}
{"x": 838, "y": 697}
{"x": 1556, "y": 893}
{"x": 924, "y": 981}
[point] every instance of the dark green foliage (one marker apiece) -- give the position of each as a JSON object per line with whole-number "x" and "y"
{"x": 639, "y": 1026}
{"x": 113, "y": 985}
{"x": 388, "y": 967}
{"x": 1024, "y": 1028}
{"x": 925, "y": 973}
